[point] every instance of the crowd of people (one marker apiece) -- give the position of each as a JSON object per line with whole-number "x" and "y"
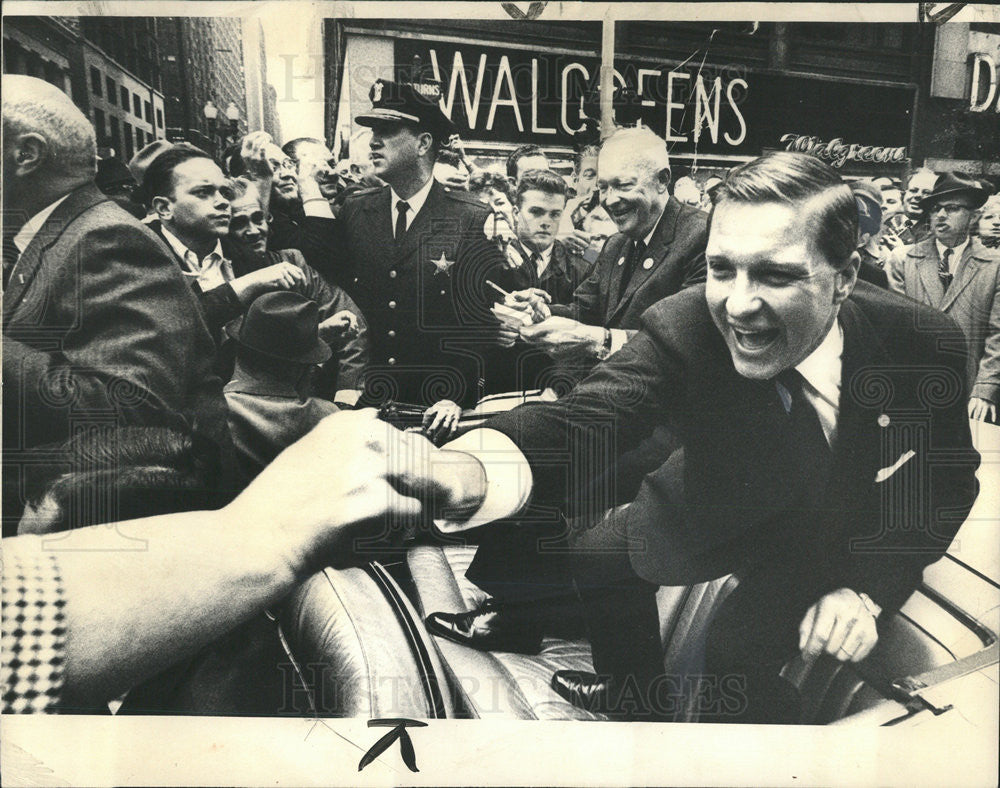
{"x": 182, "y": 345}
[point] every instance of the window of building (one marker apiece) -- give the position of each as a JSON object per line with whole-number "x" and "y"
{"x": 159, "y": 118}
{"x": 95, "y": 82}
{"x": 149, "y": 112}
{"x": 99, "y": 125}
{"x": 129, "y": 141}
{"x": 116, "y": 135}
{"x": 112, "y": 91}
{"x": 124, "y": 98}
{"x": 137, "y": 105}
{"x": 140, "y": 139}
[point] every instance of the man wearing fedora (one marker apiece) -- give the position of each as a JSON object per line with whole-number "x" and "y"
{"x": 947, "y": 272}
{"x": 269, "y": 397}
{"x": 415, "y": 259}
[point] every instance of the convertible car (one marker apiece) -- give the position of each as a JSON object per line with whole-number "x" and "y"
{"x": 357, "y": 640}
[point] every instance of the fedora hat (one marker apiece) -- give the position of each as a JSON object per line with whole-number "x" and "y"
{"x": 282, "y": 324}
{"x": 955, "y": 183}
{"x": 403, "y": 102}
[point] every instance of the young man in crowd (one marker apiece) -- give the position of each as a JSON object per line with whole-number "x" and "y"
{"x": 191, "y": 199}
{"x": 778, "y": 479}
{"x": 960, "y": 278}
{"x": 96, "y": 316}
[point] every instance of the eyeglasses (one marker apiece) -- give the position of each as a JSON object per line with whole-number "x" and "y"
{"x": 950, "y": 207}
{"x": 243, "y": 221}
{"x": 284, "y": 164}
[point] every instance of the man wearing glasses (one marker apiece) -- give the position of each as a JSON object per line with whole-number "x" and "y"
{"x": 947, "y": 272}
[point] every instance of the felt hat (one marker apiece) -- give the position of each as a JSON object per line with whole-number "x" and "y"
{"x": 282, "y": 324}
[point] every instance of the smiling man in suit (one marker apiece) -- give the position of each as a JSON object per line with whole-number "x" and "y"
{"x": 99, "y": 326}
{"x": 961, "y": 279}
{"x": 658, "y": 251}
{"x": 790, "y": 387}
{"x": 413, "y": 255}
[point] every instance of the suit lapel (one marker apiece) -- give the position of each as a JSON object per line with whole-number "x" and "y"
{"x": 927, "y": 261}
{"x": 655, "y": 254}
{"x": 864, "y": 361}
{"x": 31, "y": 259}
{"x": 619, "y": 251}
{"x": 966, "y": 273}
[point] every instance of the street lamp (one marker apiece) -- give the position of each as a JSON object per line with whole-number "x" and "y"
{"x": 233, "y": 115}
{"x": 211, "y": 112}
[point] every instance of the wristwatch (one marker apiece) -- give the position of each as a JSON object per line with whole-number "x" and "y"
{"x": 605, "y": 349}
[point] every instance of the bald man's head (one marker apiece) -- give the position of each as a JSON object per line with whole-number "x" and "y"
{"x": 48, "y": 143}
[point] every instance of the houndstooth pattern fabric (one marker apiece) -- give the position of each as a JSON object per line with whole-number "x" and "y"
{"x": 34, "y": 629}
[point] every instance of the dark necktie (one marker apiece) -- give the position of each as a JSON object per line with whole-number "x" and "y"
{"x": 638, "y": 250}
{"x": 990, "y": 241}
{"x": 944, "y": 268}
{"x": 807, "y": 430}
{"x": 401, "y": 207}
{"x": 10, "y": 256}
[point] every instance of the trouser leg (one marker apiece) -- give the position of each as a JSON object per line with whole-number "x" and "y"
{"x": 753, "y": 634}
{"x": 622, "y": 616}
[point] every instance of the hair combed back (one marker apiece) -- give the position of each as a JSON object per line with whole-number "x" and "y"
{"x": 544, "y": 181}
{"x": 804, "y": 181}
{"x": 159, "y": 178}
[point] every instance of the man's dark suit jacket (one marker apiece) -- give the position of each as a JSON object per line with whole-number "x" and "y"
{"x": 677, "y": 254}
{"x": 565, "y": 272}
{"x": 425, "y": 298}
{"x": 100, "y": 327}
{"x": 738, "y": 491}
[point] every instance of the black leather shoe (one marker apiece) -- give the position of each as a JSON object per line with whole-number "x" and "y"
{"x": 601, "y": 694}
{"x": 489, "y": 627}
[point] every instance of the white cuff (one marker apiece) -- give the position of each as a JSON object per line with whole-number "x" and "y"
{"x": 317, "y": 206}
{"x": 508, "y": 478}
{"x": 348, "y": 396}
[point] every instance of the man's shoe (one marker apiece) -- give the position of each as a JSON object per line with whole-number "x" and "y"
{"x": 490, "y": 627}
{"x": 602, "y": 694}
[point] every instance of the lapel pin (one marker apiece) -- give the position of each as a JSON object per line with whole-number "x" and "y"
{"x": 883, "y": 420}
{"x": 621, "y": 261}
{"x": 647, "y": 263}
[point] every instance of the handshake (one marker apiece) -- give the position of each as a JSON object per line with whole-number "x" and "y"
{"x": 525, "y": 314}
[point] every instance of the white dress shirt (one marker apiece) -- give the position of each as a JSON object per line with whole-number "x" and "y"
{"x": 416, "y": 202}
{"x": 31, "y": 227}
{"x": 211, "y": 271}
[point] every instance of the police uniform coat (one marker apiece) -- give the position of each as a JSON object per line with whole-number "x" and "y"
{"x": 425, "y": 298}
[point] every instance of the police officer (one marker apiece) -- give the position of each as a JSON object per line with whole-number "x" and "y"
{"x": 416, "y": 261}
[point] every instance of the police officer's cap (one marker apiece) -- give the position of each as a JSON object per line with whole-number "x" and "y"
{"x": 402, "y": 102}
